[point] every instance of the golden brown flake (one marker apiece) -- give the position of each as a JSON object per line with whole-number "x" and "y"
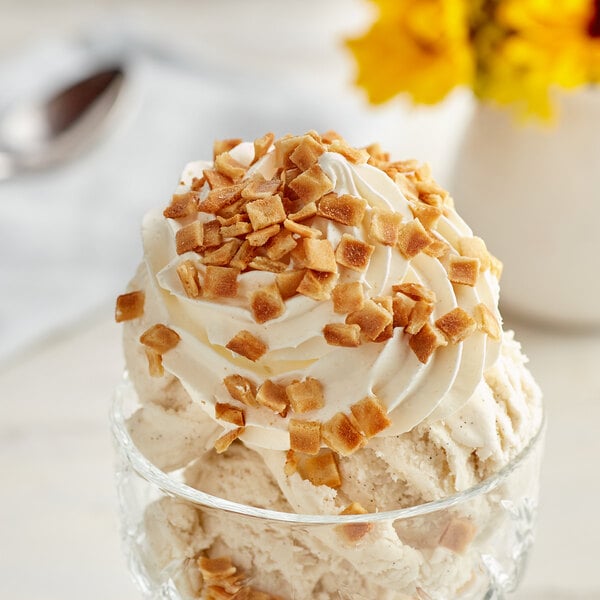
{"x": 330, "y": 135}
{"x": 487, "y": 321}
{"x": 415, "y": 291}
{"x": 241, "y": 389}
{"x": 385, "y": 227}
{"x": 266, "y": 304}
{"x": 401, "y": 308}
{"x": 419, "y": 315}
{"x": 306, "y": 212}
{"x": 302, "y": 230}
{"x": 155, "y": 366}
{"x": 307, "y": 152}
{"x": 230, "y": 414}
{"x": 220, "y": 146}
{"x": 258, "y": 187}
{"x": 265, "y": 211}
{"x": 211, "y": 234}
{"x": 312, "y": 184}
{"x": 280, "y": 245}
{"x": 413, "y": 238}
{"x": 248, "y": 345}
{"x": 244, "y": 256}
{"x": 288, "y": 282}
{"x": 262, "y": 145}
{"x": 189, "y": 238}
{"x": 376, "y": 152}
{"x": 371, "y": 416}
{"x": 197, "y": 183}
{"x": 496, "y": 266}
{"x": 457, "y": 325}
{"x": 427, "y": 188}
{"x": 345, "y": 209}
{"x": 428, "y": 215}
{"x": 354, "y": 532}
{"x": 160, "y": 338}
{"x": 262, "y": 236}
{"x": 474, "y": 247}
{"x": 317, "y": 285}
{"x": 228, "y": 166}
{"x": 354, "y": 155}
{"x": 250, "y": 593}
{"x": 321, "y": 469}
{"x": 219, "y": 198}
{"x": 306, "y": 395}
{"x": 222, "y": 443}
{"x": 188, "y": 275}
{"x": 222, "y": 255}
{"x": 283, "y": 149}
{"x": 291, "y": 463}
{"x": 215, "y": 179}
{"x": 220, "y": 282}
{"x": 341, "y": 435}
{"x": 319, "y": 255}
{"x": 182, "y": 205}
{"x": 353, "y": 253}
{"x": 386, "y": 302}
{"x": 273, "y": 396}
{"x": 457, "y": 536}
{"x": 305, "y": 436}
{"x": 406, "y": 186}
{"x": 129, "y": 306}
{"x": 437, "y": 249}
{"x": 347, "y": 297}
{"x": 371, "y": 318}
{"x": 263, "y": 263}
{"x": 342, "y": 334}
{"x": 235, "y": 229}
{"x": 216, "y": 568}
{"x": 231, "y": 210}
{"x": 425, "y": 343}
{"x": 462, "y": 270}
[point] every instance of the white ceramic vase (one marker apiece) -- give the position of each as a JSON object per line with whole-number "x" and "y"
{"x": 533, "y": 193}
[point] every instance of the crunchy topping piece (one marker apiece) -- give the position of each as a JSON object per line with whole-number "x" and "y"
{"x": 280, "y": 245}
{"x": 265, "y": 211}
{"x": 401, "y": 308}
{"x": 340, "y": 434}
{"x": 283, "y": 149}
{"x": 228, "y": 166}
{"x": 222, "y": 255}
{"x": 236, "y": 229}
{"x": 306, "y": 212}
{"x": 354, "y": 532}
{"x": 386, "y": 303}
{"x": 129, "y": 306}
{"x": 426, "y": 341}
{"x": 496, "y": 266}
{"x": 211, "y": 233}
{"x": 345, "y": 209}
{"x": 347, "y": 297}
{"x": 241, "y": 389}
{"x": 406, "y": 186}
{"x": 487, "y": 321}
{"x": 312, "y": 184}
{"x": 246, "y": 344}
{"x": 306, "y": 395}
{"x": 258, "y": 187}
{"x": 273, "y": 396}
{"x": 305, "y": 436}
{"x": 458, "y": 535}
{"x": 250, "y": 593}
{"x": 302, "y": 230}
{"x": 216, "y": 568}
{"x": 220, "y": 146}
{"x": 243, "y": 256}
{"x": 353, "y": 253}
{"x": 266, "y": 304}
{"x": 291, "y": 463}
{"x": 474, "y": 247}
{"x": 428, "y": 215}
{"x": 371, "y": 416}
{"x": 319, "y": 255}
{"x": 189, "y": 238}
{"x": 462, "y": 270}
{"x": 197, "y": 183}
{"x": 215, "y": 179}
{"x": 371, "y": 318}
{"x": 263, "y": 263}
{"x": 385, "y": 227}
{"x": 317, "y": 285}
{"x": 419, "y": 315}
{"x": 376, "y": 152}
{"x": 230, "y": 414}
{"x": 160, "y": 338}
{"x": 262, "y": 236}
{"x": 354, "y": 155}
{"x": 288, "y": 282}
{"x": 342, "y": 334}
{"x": 321, "y": 469}
{"x": 413, "y": 238}
{"x": 188, "y": 275}
{"x": 428, "y": 188}
{"x": 437, "y": 249}
{"x": 219, "y": 198}
{"x": 415, "y": 291}
{"x": 155, "y": 366}
{"x": 456, "y": 325}
{"x": 330, "y": 135}
{"x": 182, "y": 205}
{"x": 235, "y": 208}
{"x": 307, "y": 152}
{"x": 262, "y": 145}
{"x": 222, "y": 443}
{"x": 220, "y": 282}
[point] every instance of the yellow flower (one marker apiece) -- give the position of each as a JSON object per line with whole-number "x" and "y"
{"x": 415, "y": 46}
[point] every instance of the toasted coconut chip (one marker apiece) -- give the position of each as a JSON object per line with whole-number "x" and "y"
{"x": 241, "y": 389}
{"x": 385, "y": 227}
{"x": 371, "y": 416}
{"x": 302, "y": 230}
{"x": 263, "y": 263}
{"x": 243, "y": 256}
{"x": 235, "y": 208}
{"x": 266, "y": 304}
{"x": 329, "y": 136}
{"x": 458, "y": 535}
{"x": 215, "y": 179}
{"x": 258, "y": 187}
{"x": 423, "y": 173}
{"x": 419, "y": 315}
{"x": 319, "y": 255}
{"x": 385, "y": 302}
{"x": 216, "y": 592}
{"x": 216, "y": 568}
{"x": 305, "y": 436}
{"x": 280, "y": 245}
{"x": 230, "y": 414}
{"x": 437, "y": 249}
{"x": 317, "y": 285}
{"x": 182, "y": 205}
{"x": 273, "y": 396}
{"x": 287, "y": 176}
{"x": 426, "y": 341}
{"x": 354, "y": 155}
{"x": 376, "y": 151}
{"x": 219, "y": 198}
{"x": 211, "y": 234}
{"x": 220, "y": 282}
{"x": 306, "y": 395}
{"x": 354, "y": 532}
{"x": 232, "y": 584}
{"x": 307, "y": 152}
{"x": 262, "y": 236}
{"x": 312, "y": 184}
{"x": 340, "y": 434}
{"x": 321, "y": 469}
{"x": 250, "y": 593}
{"x": 474, "y": 247}
{"x": 222, "y": 255}
{"x": 236, "y": 229}
{"x": 222, "y": 443}
{"x": 428, "y": 215}
{"x": 189, "y": 238}
{"x": 342, "y": 334}
{"x": 283, "y": 149}
{"x": 347, "y": 297}
{"x": 429, "y": 188}
{"x": 197, "y": 183}
{"x": 291, "y": 463}
{"x": 353, "y": 253}
{"x": 462, "y": 270}
{"x": 487, "y": 322}
{"x": 160, "y": 338}
{"x": 415, "y": 291}
{"x": 496, "y": 266}
{"x": 413, "y": 238}
{"x": 406, "y": 186}
{"x": 188, "y": 275}
{"x": 247, "y": 345}
{"x": 220, "y": 146}
{"x": 306, "y": 212}
{"x": 433, "y": 200}
{"x": 262, "y": 145}
{"x": 265, "y": 211}
{"x": 288, "y": 282}
{"x": 401, "y": 308}
{"x": 155, "y": 366}
{"x": 371, "y": 318}
{"x": 129, "y": 306}
{"x": 345, "y": 209}
{"x": 456, "y": 325}
{"x": 228, "y": 166}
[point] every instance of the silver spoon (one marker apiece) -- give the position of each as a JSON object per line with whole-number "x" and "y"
{"x": 40, "y": 135}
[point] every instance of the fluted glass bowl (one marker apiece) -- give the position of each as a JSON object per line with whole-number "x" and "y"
{"x": 472, "y": 545}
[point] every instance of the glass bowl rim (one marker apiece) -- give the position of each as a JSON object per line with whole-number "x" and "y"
{"x": 152, "y": 474}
